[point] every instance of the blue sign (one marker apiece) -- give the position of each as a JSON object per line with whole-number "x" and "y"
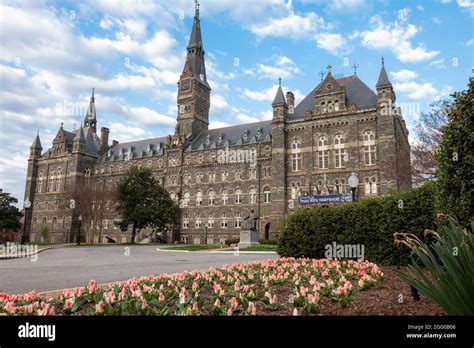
{"x": 326, "y": 199}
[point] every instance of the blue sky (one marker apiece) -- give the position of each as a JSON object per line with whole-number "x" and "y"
{"x": 132, "y": 52}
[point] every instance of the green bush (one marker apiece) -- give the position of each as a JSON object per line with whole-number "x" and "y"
{"x": 370, "y": 222}
{"x": 230, "y": 241}
{"x": 268, "y": 241}
{"x": 450, "y": 261}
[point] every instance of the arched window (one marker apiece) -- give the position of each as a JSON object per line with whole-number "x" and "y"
{"x": 267, "y": 194}
{"x": 296, "y": 155}
{"x": 52, "y": 175}
{"x": 211, "y": 197}
{"x": 238, "y": 220}
{"x": 224, "y": 220}
{"x": 336, "y": 105}
{"x": 253, "y": 195}
{"x": 210, "y": 220}
{"x": 185, "y": 221}
{"x": 370, "y": 186}
{"x": 58, "y": 180}
{"x": 186, "y": 198}
{"x": 329, "y": 107}
{"x": 238, "y": 196}
{"x": 323, "y": 107}
{"x": 40, "y": 182}
{"x": 323, "y": 152}
{"x": 340, "y": 186}
{"x": 224, "y": 197}
{"x": 198, "y": 221}
{"x": 339, "y": 151}
{"x": 198, "y": 198}
{"x": 369, "y": 148}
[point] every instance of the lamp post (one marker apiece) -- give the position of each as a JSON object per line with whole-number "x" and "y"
{"x": 353, "y": 184}
{"x": 26, "y": 205}
{"x": 79, "y": 230}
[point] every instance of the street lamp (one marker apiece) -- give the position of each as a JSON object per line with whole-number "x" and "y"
{"x": 26, "y": 205}
{"x": 353, "y": 184}
{"x": 79, "y": 230}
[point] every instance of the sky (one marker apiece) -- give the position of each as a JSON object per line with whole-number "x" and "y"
{"x": 132, "y": 52}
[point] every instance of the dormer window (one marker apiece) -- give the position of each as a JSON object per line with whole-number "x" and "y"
{"x": 149, "y": 147}
{"x": 329, "y": 87}
{"x": 208, "y": 139}
{"x": 259, "y": 131}
{"x": 246, "y": 134}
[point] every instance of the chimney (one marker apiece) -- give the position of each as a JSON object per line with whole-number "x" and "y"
{"x": 290, "y": 100}
{"x": 114, "y": 142}
{"x": 104, "y": 139}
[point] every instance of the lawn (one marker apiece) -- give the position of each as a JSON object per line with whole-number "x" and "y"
{"x": 284, "y": 286}
{"x": 261, "y": 247}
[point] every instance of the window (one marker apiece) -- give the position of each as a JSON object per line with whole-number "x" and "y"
{"x": 267, "y": 195}
{"x": 224, "y": 197}
{"x": 336, "y": 105}
{"x": 186, "y": 198}
{"x": 252, "y": 173}
{"x": 199, "y": 178}
{"x": 295, "y": 190}
{"x": 329, "y": 107}
{"x": 225, "y": 175}
{"x": 212, "y": 177}
{"x": 186, "y": 179}
{"x": 197, "y": 223}
{"x": 51, "y": 181}
{"x": 185, "y": 221}
{"x": 210, "y": 220}
{"x": 370, "y": 186}
{"x": 323, "y": 152}
{"x": 323, "y": 107}
{"x": 211, "y": 197}
{"x": 53, "y": 226}
{"x": 224, "y": 220}
{"x": 253, "y": 195}
{"x": 339, "y": 151}
{"x": 238, "y": 220}
{"x": 40, "y": 181}
{"x": 199, "y": 198}
{"x": 58, "y": 180}
{"x": 296, "y": 155}
{"x": 238, "y": 196}
{"x": 369, "y": 148}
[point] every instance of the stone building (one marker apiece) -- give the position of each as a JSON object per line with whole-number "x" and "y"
{"x": 218, "y": 175}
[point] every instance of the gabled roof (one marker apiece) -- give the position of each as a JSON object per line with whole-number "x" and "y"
{"x": 357, "y": 92}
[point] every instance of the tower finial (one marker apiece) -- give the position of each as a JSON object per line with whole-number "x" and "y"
{"x": 383, "y": 62}
{"x": 196, "y": 6}
{"x": 329, "y": 68}
{"x": 321, "y": 74}
{"x": 279, "y": 81}
{"x": 37, "y": 132}
{"x": 355, "y": 66}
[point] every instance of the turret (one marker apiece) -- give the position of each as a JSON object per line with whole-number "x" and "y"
{"x": 36, "y": 148}
{"x": 90, "y": 120}
{"x": 280, "y": 108}
{"x": 385, "y": 93}
{"x": 79, "y": 142}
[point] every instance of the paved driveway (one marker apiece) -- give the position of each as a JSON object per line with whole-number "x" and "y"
{"x": 72, "y": 267}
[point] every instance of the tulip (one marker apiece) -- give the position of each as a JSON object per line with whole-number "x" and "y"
{"x": 99, "y": 307}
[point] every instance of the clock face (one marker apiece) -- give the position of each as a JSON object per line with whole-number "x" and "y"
{"x": 184, "y": 85}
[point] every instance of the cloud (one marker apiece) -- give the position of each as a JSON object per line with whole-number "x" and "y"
{"x": 283, "y": 67}
{"x": 395, "y": 37}
{"x": 404, "y": 75}
{"x": 218, "y": 102}
{"x": 218, "y": 124}
{"x": 246, "y": 118}
{"x": 292, "y": 26}
{"x": 333, "y": 43}
{"x": 422, "y": 91}
{"x": 346, "y": 5}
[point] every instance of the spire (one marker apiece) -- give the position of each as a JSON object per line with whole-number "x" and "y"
{"x": 383, "y": 77}
{"x": 279, "y": 97}
{"x": 195, "y": 39}
{"x": 91, "y": 119}
{"x": 36, "y": 143}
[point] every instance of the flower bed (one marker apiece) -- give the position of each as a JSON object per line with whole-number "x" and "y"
{"x": 277, "y": 286}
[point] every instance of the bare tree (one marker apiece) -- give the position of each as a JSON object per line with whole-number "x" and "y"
{"x": 428, "y": 137}
{"x": 94, "y": 202}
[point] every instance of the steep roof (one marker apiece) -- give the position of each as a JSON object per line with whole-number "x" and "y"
{"x": 357, "y": 92}
{"x": 36, "y": 143}
{"x": 241, "y": 134}
{"x": 135, "y": 149}
{"x": 383, "y": 78}
{"x": 279, "y": 97}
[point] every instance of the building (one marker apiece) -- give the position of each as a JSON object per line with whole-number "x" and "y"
{"x": 218, "y": 175}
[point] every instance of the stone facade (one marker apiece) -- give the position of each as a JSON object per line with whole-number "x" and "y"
{"x": 219, "y": 175}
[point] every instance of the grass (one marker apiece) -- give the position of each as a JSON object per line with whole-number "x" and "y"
{"x": 261, "y": 247}
{"x": 194, "y": 247}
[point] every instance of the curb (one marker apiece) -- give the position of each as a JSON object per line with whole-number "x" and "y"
{"x": 24, "y": 256}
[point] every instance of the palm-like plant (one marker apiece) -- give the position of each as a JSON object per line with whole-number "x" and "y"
{"x": 450, "y": 260}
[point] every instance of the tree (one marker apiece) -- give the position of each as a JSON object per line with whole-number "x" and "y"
{"x": 428, "y": 137}
{"x": 9, "y": 214}
{"x": 93, "y": 199}
{"x": 455, "y": 157}
{"x": 142, "y": 202}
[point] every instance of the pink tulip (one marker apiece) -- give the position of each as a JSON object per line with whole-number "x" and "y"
{"x": 161, "y": 298}
{"x": 217, "y": 303}
{"x": 100, "y": 307}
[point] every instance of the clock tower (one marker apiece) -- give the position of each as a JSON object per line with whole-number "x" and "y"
{"x": 193, "y": 89}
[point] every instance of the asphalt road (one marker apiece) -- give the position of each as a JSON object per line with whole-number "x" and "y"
{"x": 72, "y": 267}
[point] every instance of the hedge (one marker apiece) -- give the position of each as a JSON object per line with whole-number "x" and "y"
{"x": 369, "y": 222}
